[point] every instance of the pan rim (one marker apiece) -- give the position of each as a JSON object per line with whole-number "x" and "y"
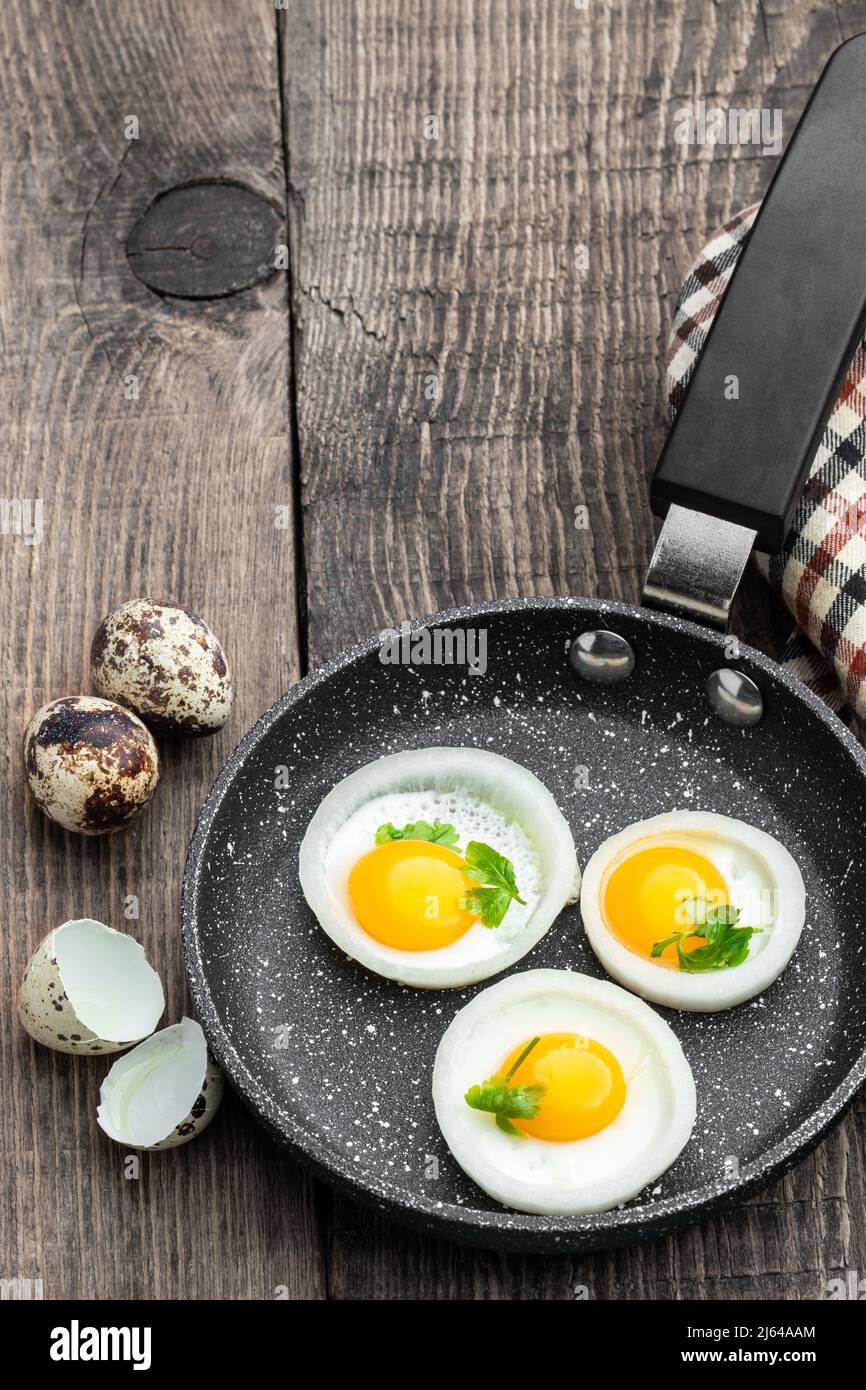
{"x": 516, "y": 1231}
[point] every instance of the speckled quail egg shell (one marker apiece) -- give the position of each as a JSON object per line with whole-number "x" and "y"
{"x": 162, "y": 1093}
{"x": 584, "y": 1175}
{"x": 762, "y": 879}
{"x": 486, "y": 797}
{"x": 88, "y": 988}
{"x": 91, "y": 766}
{"x": 164, "y": 662}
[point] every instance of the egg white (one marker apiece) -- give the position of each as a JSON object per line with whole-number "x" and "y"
{"x": 585, "y": 1175}
{"x": 486, "y": 797}
{"x": 763, "y": 880}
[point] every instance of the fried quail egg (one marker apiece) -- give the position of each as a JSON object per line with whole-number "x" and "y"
{"x": 409, "y": 908}
{"x": 660, "y": 879}
{"x": 162, "y": 1093}
{"x": 613, "y": 1094}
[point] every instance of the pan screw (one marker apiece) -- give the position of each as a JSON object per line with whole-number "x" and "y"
{"x": 734, "y": 698}
{"x": 601, "y": 656}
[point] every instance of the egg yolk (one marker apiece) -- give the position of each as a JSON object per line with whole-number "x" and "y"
{"x": 584, "y": 1086}
{"x": 406, "y": 894}
{"x": 645, "y": 896}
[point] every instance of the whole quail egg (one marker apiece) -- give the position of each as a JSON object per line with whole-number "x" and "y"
{"x": 91, "y": 766}
{"x": 164, "y": 662}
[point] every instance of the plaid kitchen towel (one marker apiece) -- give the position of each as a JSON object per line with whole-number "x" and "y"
{"x": 821, "y": 572}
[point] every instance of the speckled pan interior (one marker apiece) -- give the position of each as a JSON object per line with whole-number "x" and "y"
{"x": 337, "y": 1061}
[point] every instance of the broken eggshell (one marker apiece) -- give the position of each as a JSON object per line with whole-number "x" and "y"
{"x": 88, "y": 988}
{"x": 164, "y": 662}
{"x": 91, "y": 766}
{"x": 162, "y": 1093}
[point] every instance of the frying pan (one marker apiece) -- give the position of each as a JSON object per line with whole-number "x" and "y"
{"x": 336, "y": 1061}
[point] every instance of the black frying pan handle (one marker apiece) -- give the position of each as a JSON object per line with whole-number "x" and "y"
{"x": 789, "y": 324}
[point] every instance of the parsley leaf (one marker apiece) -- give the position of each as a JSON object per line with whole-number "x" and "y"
{"x": 492, "y": 871}
{"x": 727, "y": 944}
{"x": 439, "y": 833}
{"x": 506, "y": 1102}
{"x": 487, "y": 867}
{"x": 489, "y": 904}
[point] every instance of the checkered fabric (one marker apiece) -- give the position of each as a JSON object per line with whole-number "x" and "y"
{"x": 821, "y": 572}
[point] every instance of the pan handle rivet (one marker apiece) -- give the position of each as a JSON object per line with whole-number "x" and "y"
{"x": 734, "y": 698}
{"x": 601, "y": 656}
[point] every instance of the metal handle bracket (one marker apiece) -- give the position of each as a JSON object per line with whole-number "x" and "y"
{"x": 696, "y": 566}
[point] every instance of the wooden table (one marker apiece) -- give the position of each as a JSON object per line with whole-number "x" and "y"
{"x": 488, "y": 219}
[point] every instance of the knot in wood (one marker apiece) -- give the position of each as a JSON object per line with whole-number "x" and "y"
{"x": 204, "y": 241}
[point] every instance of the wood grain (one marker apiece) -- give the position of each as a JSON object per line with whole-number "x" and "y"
{"x": 174, "y": 494}
{"x": 490, "y": 221}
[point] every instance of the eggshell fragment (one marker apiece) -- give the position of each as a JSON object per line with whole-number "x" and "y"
{"x": 89, "y": 989}
{"x": 162, "y": 1093}
{"x": 164, "y": 662}
{"x": 91, "y": 766}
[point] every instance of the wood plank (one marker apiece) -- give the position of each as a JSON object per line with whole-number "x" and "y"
{"x": 174, "y": 494}
{"x": 456, "y": 262}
